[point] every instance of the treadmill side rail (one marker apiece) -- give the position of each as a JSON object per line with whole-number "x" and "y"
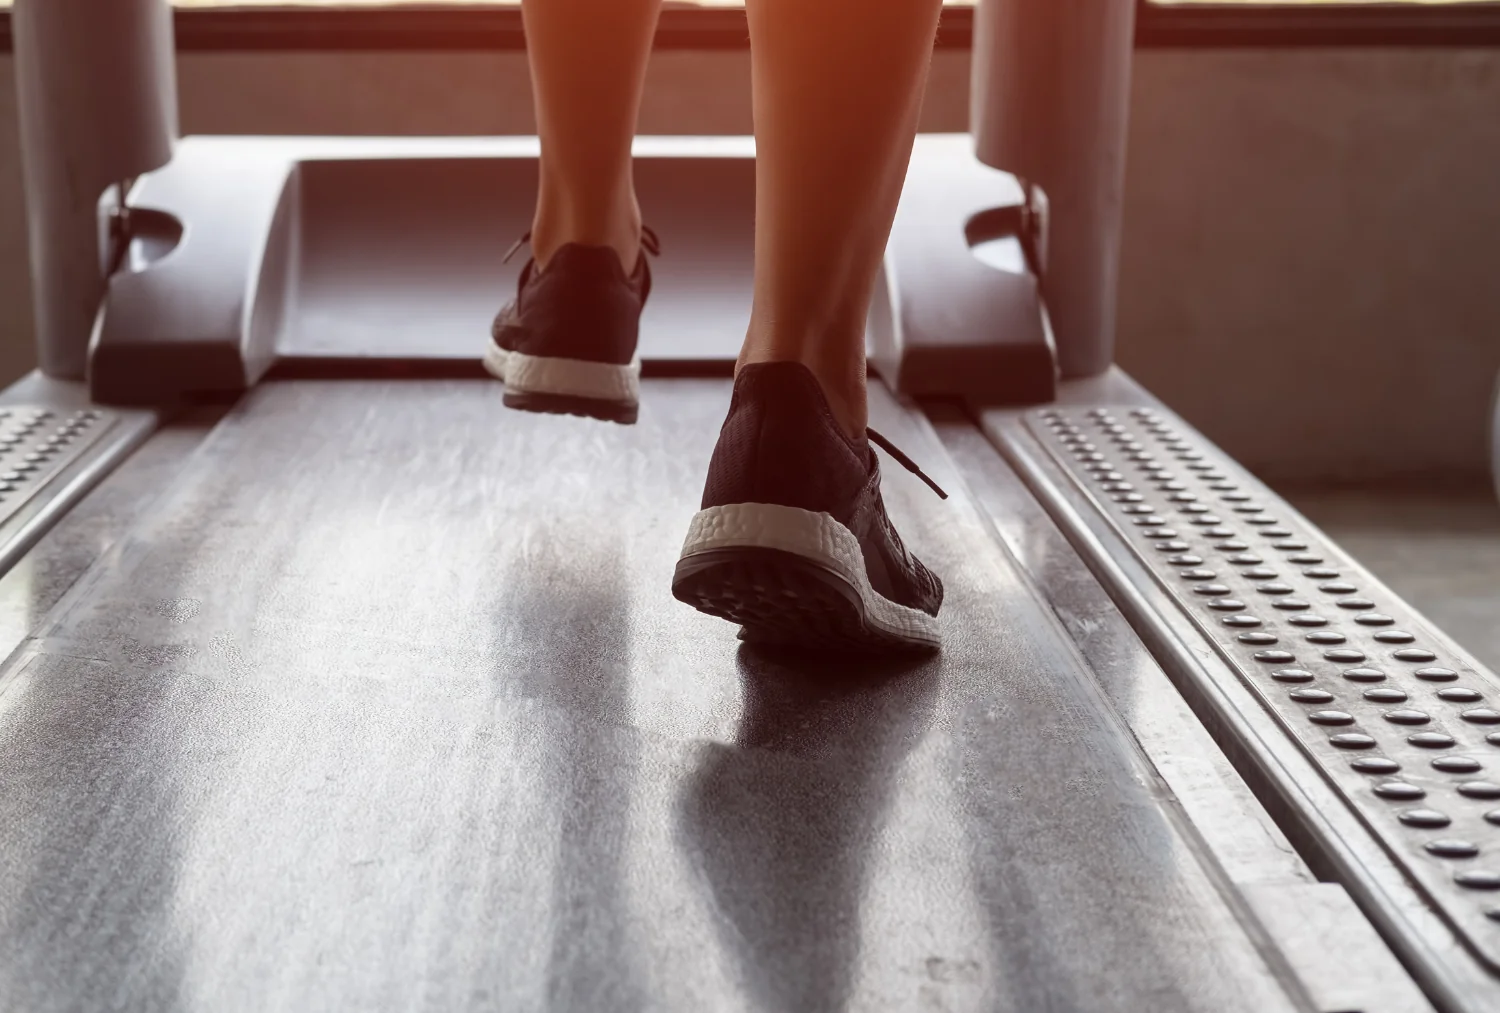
{"x": 55, "y": 447}
{"x": 1319, "y": 693}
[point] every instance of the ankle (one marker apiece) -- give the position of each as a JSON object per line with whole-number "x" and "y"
{"x": 842, "y": 377}
{"x": 616, "y": 224}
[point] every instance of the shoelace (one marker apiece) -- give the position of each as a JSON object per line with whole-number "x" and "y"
{"x": 904, "y": 461}
{"x": 649, "y": 242}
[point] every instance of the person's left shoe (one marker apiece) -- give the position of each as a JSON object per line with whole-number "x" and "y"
{"x": 567, "y": 343}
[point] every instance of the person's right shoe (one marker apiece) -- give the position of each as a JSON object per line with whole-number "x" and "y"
{"x": 793, "y": 541}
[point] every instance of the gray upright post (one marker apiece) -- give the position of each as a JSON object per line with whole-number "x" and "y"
{"x": 1049, "y": 101}
{"x": 98, "y": 104}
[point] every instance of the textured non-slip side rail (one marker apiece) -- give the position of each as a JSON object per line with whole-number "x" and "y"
{"x": 52, "y": 452}
{"x": 36, "y": 443}
{"x": 1401, "y": 723}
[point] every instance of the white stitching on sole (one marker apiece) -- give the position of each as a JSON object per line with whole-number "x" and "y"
{"x": 814, "y": 536}
{"x": 544, "y": 374}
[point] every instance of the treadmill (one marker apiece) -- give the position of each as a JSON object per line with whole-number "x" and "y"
{"x": 330, "y": 683}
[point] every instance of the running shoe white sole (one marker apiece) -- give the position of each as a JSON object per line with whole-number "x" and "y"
{"x": 792, "y": 576}
{"x": 570, "y": 386}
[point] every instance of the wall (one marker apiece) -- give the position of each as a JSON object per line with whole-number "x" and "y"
{"x": 1312, "y": 256}
{"x": 1311, "y": 269}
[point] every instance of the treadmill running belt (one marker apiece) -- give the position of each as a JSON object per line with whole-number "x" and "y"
{"x": 388, "y": 706}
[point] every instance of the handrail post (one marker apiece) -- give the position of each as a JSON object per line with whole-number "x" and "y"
{"x": 97, "y": 90}
{"x": 1049, "y": 101}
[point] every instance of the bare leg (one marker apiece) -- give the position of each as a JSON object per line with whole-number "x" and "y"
{"x": 588, "y": 67}
{"x": 837, "y": 88}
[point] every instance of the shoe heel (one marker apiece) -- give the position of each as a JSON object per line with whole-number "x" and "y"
{"x": 770, "y": 591}
{"x": 782, "y": 598}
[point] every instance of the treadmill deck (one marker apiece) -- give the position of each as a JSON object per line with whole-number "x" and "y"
{"x": 386, "y": 704}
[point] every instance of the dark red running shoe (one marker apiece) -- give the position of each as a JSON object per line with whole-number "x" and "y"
{"x": 567, "y": 343}
{"x": 793, "y": 541}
